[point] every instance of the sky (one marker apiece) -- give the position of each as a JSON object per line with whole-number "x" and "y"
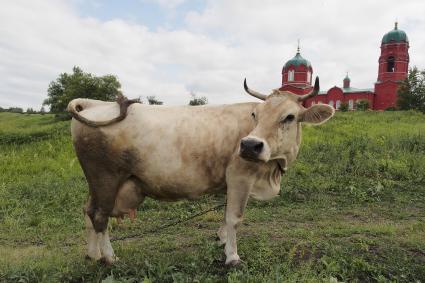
{"x": 173, "y": 48}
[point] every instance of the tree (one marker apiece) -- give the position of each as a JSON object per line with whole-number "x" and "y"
{"x": 411, "y": 92}
{"x": 362, "y": 105}
{"x": 30, "y": 111}
{"x": 15, "y": 110}
{"x": 152, "y": 100}
{"x": 42, "y": 110}
{"x": 197, "y": 100}
{"x": 80, "y": 85}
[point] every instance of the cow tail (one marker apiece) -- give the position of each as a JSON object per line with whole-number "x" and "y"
{"x": 78, "y": 105}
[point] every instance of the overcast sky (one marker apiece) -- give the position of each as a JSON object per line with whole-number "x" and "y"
{"x": 171, "y": 48}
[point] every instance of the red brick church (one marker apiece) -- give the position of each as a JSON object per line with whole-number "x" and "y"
{"x": 393, "y": 67}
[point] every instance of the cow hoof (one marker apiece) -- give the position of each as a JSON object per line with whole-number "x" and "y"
{"x": 88, "y": 257}
{"x": 233, "y": 261}
{"x": 108, "y": 260}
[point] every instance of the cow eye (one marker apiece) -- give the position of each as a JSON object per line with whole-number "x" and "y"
{"x": 253, "y": 115}
{"x": 288, "y": 118}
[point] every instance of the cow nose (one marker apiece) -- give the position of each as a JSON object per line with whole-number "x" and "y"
{"x": 251, "y": 145}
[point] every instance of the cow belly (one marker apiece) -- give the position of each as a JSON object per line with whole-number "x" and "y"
{"x": 162, "y": 189}
{"x": 172, "y": 178}
{"x": 171, "y": 181}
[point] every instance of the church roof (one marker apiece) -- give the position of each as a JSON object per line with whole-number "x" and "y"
{"x": 348, "y": 90}
{"x": 297, "y": 61}
{"x": 395, "y": 35}
{"x": 353, "y": 89}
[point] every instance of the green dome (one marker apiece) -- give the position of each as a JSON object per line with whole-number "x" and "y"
{"x": 395, "y": 35}
{"x": 298, "y": 60}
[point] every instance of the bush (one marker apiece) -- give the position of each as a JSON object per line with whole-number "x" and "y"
{"x": 343, "y": 107}
{"x": 31, "y": 111}
{"x": 198, "y": 101}
{"x": 362, "y": 105}
{"x": 63, "y": 116}
{"x": 152, "y": 100}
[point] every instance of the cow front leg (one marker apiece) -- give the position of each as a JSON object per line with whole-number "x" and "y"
{"x": 236, "y": 202}
{"x": 222, "y": 232}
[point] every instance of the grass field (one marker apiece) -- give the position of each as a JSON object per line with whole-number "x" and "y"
{"x": 352, "y": 209}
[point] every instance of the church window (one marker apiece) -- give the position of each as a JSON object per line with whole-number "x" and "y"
{"x": 338, "y": 104}
{"x": 390, "y": 64}
{"x": 309, "y": 77}
{"x": 291, "y": 75}
{"x": 350, "y": 104}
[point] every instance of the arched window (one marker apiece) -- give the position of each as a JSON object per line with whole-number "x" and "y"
{"x": 350, "y": 104}
{"x": 390, "y": 64}
{"x": 331, "y": 103}
{"x": 291, "y": 75}
{"x": 338, "y": 104}
{"x": 309, "y": 77}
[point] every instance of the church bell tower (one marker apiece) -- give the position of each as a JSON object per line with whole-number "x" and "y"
{"x": 393, "y": 67}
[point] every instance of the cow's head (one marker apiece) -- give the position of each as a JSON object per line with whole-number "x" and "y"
{"x": 277, "y": 132}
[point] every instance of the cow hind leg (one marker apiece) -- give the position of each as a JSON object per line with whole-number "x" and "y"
{"x": 103, "y": 192}
{"x": 98, "y": 243}
{"x": 93, "y": 250}
{"x": 102, "y": 237}
{"x": 108, "y": 255}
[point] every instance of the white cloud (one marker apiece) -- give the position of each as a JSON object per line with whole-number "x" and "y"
{"x": 220, "y": 45}
{"x": 336, "y": 36}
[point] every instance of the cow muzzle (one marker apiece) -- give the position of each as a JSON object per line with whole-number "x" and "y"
{"x": 252, "y": 149}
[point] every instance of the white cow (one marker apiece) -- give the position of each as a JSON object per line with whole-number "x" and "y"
{"x": 172, "y": 153}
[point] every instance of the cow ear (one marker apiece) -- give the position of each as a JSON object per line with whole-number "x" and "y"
{"x": 317, "y": 114}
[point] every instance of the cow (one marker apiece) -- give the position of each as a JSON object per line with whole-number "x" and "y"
{"x": 129, "y": 151}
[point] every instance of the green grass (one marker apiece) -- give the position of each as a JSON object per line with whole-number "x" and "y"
{"x": 352, "y": 208}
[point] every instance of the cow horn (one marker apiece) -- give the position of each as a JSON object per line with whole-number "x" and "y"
{"x": 253, "y": 92}
{"x": 312, "y": 93}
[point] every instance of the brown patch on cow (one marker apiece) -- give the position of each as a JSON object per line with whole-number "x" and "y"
{"x": 106, "y": 165}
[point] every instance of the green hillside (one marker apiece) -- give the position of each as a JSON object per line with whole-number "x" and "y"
{"x": 351, "y": 209}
